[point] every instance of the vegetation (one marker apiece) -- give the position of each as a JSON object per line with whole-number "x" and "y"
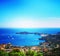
{"x": 54, "y": 52}
{"x": 31, "y": 53}
{"x": 28, "y": 53}
{"x": 3, "y": 53}
{"x": 17, "y": 52}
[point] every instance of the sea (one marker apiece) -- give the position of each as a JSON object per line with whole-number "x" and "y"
{"x": 8, "y": 35}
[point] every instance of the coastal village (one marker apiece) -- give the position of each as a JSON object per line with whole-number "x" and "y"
{"x": 52, "y": 41}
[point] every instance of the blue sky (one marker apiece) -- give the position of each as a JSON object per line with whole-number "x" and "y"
{"x": 29, "y": 13}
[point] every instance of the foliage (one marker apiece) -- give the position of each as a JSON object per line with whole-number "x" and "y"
{"x": 16, "y": 52}
{"x": 39, "y": 54}
{"x": 56, "y": 51}
{"x": 3, "y": 53}
{"x": 31, "y": 53}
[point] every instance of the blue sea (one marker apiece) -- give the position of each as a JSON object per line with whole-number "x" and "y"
{"x": 8, "y": 35}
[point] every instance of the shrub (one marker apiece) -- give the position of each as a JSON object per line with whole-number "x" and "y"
{"x": 31, "y": 53}
{"x": 3, "y": 53}
{"x": 16, "y": 52}
{"x": 39, "y": 54}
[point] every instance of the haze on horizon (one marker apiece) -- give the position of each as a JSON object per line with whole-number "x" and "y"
{"x": 29, "y": 13}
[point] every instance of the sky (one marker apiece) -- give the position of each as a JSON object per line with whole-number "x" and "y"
{"x": 29, "y": 13}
